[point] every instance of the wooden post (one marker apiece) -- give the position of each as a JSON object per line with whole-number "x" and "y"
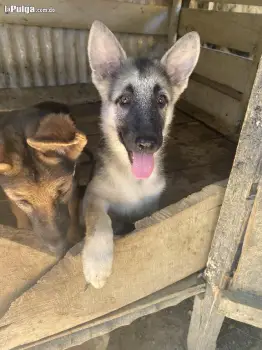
{"x": 174, "y": 12}
{"x": 205, "y": 322}
{"x": 231, "y": 228}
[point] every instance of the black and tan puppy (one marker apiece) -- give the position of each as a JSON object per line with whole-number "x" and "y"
{"x": 39, "y": 148}
{"x": 138, "y": 98}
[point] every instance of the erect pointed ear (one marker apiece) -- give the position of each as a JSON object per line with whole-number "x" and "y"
{"x": 104, "y": 52}
{"x": 181, "y": 59}
{"x": 5, "y": 168}
{"x": 57, "y": 136}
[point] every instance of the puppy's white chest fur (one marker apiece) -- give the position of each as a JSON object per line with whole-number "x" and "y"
{"x": 127, "y": 196}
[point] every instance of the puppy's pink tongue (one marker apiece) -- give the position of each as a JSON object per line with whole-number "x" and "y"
{"x": 143, "y": 165}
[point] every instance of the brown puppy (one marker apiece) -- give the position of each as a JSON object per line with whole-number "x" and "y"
{"x": 39, "y": 148}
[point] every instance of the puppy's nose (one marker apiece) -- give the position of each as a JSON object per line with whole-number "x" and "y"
{"x": 146, "y": 144}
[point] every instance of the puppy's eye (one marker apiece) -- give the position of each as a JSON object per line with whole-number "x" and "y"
{"x": 124, "y": 101}
{"x": 161, "y": 101}
{"x": 24, "y": 204}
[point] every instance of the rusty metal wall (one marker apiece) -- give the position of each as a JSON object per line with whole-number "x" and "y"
{"x": 38, "y": 56}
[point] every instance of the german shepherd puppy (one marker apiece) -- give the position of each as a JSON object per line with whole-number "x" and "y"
{"x": 138, "y": 98}
{"x": 39, "y": 148}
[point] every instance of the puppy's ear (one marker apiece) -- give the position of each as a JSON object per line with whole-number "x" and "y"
{"x": 57, "y": 136}
{"x": 181, "y": 59}
{"x": 104, "y": 51}
{"x": 5, "y": 168}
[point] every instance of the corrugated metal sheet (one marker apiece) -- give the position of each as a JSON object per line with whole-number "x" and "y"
{"x": 37, "y": 56}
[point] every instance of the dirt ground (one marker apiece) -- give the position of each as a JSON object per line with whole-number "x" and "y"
{"x": 167, "y": 330}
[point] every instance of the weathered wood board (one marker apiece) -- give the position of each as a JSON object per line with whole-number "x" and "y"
{"x": 23, "y": 261}
{"x": 248, "y": 275}
{"x": 205, "y": 322}
{"x": 241, "y": 306}
{"x": 240, "y": 194}
{"x": 13, "y": 99}
{"x": 229, "y": 29}
{"x": 223, "y": 110}
{"x": 154, "y": 258}
{"x": 155, "y": 302}
{"x": 224, "y": 68}
{"x": 122, "y": 17}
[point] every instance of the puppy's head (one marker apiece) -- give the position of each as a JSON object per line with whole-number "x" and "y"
{"x": 36, "y": 172}
{"x": 138, "y": 95}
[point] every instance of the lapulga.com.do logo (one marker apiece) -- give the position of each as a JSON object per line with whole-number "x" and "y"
{"x": 26, "y": 9}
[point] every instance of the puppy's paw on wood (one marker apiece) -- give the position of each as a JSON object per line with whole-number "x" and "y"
{"x": 97, "y": 260}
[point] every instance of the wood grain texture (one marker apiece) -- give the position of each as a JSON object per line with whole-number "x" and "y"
{"x": 207, "y": 119}
{"x": 229, "y": 29}
{"x": 248, "y": 276}
{"x": 12, "y": 99}
{"x": 144, "y": 263}
{"x": 23, "y": 261}
{"x": 224, "y": 68}
{"x": 223, "y": 109}
{"x": 205, "y": 322}
{"x": 155, "y": 302}
{"x": 239, "y": 307}
{"x": 251, "y": 77}
{"x": 122, "y": 17}
{"x": 238, "y": 202}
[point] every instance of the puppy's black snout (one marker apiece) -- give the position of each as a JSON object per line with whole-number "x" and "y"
{"x": 146, "y": 144}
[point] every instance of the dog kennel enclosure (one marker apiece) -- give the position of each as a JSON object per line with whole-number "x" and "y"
{"x": 45, "y": 303}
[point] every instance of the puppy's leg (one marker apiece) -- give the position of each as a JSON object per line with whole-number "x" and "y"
{"x": 98, "y": 249}
{"x": 22, "y": 220}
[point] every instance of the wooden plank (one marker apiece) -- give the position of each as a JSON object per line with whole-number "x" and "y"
{"x": 251, "y": 76}
{"x": 12, "y": 99}
{"x": 229, "y": 29}
{"x": 144, "y": 263}
{"x": 224, "y": 68}
{"x": 206, "y": 118}
{"x": 23, "y": 261}
{"x": 248, "y": 273}
{"x": 162, "y": 299}
{"x": 240, "y": 2}
{"x": 224, "y": 89}
{"x": 236, "y": 306}
{"x": 205, "y": 322}
{"x": 240, "y": 191}
{"x": 122, "y": 17}
{"x": 223, "y": 109}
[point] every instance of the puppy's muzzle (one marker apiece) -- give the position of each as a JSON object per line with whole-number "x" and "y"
{"x": 146, "y": 144}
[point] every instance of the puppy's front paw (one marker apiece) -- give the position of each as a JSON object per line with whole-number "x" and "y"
{"x": 97, "y": 260}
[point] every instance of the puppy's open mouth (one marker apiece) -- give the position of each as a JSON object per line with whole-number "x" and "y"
{"x": 142, "y": 163}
